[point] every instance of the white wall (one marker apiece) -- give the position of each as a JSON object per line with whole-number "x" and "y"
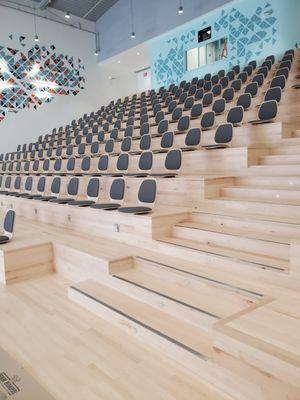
{"x": 28, "y": 124}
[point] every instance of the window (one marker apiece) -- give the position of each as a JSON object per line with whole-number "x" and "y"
{"x": 207, "y": 54}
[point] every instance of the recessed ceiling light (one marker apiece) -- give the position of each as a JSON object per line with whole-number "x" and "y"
{"x": 138, "y": 53}
{"x": 96, "y": 53}
{"x": 36, "y": 38}
{"x": 133, "y": 35}
{"x": 67, "y": 15}
{"x": 119, "y": 62}
{"x": 180, "y": 10}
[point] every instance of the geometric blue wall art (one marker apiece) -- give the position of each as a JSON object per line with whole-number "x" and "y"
{"x": 34, "y": 77}
{"x": 252, "y": 30}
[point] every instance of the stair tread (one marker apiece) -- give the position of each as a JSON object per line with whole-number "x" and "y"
{"x": 212, "y": 206}
{"x": 235, "y": 232}
{"x": 213, "y": 299}
{"x": 150, "y": 317}
{"x": 226, "y": 252}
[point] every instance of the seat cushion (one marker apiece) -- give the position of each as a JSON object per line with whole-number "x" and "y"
{"x": 61, "y": 200}
{"x": 3, "y": 191}
{"x": 23, "y": 195}
{"x": 34, "y": 196}
{"x": 106, "y": 206}
{"x": 165, "y": 175}
{"x": 44, "y": 198}
{"x": 4, "y": 239}
{"x": 81, "y": 203}
{"x": 12, "y": 193}
{"x": 135, "y": 210}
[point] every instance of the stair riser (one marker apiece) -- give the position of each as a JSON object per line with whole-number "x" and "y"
{"x": 289, "y": 159}
{"x": 274, "y": 170}
{"x": 233, "y": 242}
{"x": 286, "y": 150}
{"x": 274, "y": 196}
{"x": 285, "y": 232}
{"x": 271, "y": 212}
{"x": 289, "y": 183}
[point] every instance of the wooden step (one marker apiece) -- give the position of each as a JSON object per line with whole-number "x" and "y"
{"x": 277, "y": 196}
{"x": 242, "y": 225}
{"x": 230, "y": 239}
{"x": 281, "y": 159}
{"x": 291, "y": 141}
{"x": 229, "y": 253}
{"x": 212, "y": 298}
{"x": 274, "y": 170}
{"x": 137, "y": 315}
{"x": 279, "y": 182}
{"x": 252, "y": 208}
{"x": 281, "y": 150}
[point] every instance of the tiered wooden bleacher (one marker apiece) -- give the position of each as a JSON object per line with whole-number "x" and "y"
{"x": 211, "y": 276}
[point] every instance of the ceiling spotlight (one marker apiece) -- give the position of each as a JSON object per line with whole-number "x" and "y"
{"x": 67, "y": 15}
{"x": 96, "y": 53}
{"x": 138, "y": 53}
{"x": 180, "y": 10}
{"x": 133, "y": 35}
{"x": 119, "y": 62}
{"x": 36, "y": 38}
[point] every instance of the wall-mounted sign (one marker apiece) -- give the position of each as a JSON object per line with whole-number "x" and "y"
{"x": 204, "y": 34}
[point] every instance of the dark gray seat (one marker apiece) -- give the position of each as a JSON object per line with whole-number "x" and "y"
{"x": 8, "y": 227}
{"x": 192, "y": 139}
{"x": 92, "y": 192}
{"x": 223, "y": 137}
{"x": 172, "y": 164}
{"x": 55, "y": 189}
{"x": 147, "y": 194}
{"x": 27, "y": 188}
{"x": 183, "y": 124}
{"x": 116, "y": 193}
{"x": 235, "y": 115}
{"x": 207, "y": 100}
{"x": 145, "y": 164}
{"x": 7, "y": 185}
{"x": 228, "y": 94}
{"x": 40, "y": 189}
{"x": 252, "y": 88}
{"x": 72, "y": 190}
{"x": 219, "y": 106}
{"x": 208, "y": 120}
{"x": 196, "y": 110}
{"x": 278, "y": 81}
{"x": 17, "y": 187}
{"x": 273, "y": 93}
{"x": 266, "y": 113}
{"x": 244, "y": 100}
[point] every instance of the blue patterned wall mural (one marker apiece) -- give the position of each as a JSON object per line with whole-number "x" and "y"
{"x": 251, "y": 29}
{"x": 30, "y": 78}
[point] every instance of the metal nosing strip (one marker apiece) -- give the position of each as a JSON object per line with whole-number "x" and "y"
{"x": 168, "y": 297}
{"x": 142, "y": 324}
{"x": 202, "y": 277}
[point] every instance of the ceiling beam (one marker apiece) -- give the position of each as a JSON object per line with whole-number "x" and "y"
{"x": 92, "y": 9}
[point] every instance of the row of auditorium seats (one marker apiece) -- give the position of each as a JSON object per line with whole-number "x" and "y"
{"x": 146, "y": 193}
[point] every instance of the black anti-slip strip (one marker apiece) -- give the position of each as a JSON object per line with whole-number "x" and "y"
{"x": 142, "y": 324}
{"x": 201, "y": 277}
{"x": 167, "y": 297}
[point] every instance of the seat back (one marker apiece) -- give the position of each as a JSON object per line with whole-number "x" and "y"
{"x": 268, "y": 110}
{"x": 163, "y": 126}
{"x": 173, "y": 160}
{"x": 145, "y": 142}
{"x": 146, "y": 161}
{"x": 224, "y": 133}
{"x": 55, "y": 186}
{"x": 196, "y": 110}
{"x": 219, "y": 106}
{"x": 93, "y": 187}
{"x": 41, "y": 185}
{"x": 183, "y": 123}
{"x": 147, "y": 191}
{"x": 208, "y": 120}
{"x": 273, "y": 93}
{"x": 126, "y": 144}
{"x": 73, "y": 186}
{"x": 117, "y": 189}
{"x": 235, "y": 115}
{"x": 167, "y": 140}
{"x": 85, "y": 164}
{"x": 123, "y": 162}
{"x": 244, "y": 100}
{"x": 193, "y": 137}
{"x": 103, "y": 163}
{"x": 8, "y": 224}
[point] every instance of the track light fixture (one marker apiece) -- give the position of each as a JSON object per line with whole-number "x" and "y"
{"x": 67, "y": 15}
{"x": 132, "y": 24}
{"x": 36, "y": 38}
{"x": 180, "y": 9}
{"x": 96, "y": 53}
